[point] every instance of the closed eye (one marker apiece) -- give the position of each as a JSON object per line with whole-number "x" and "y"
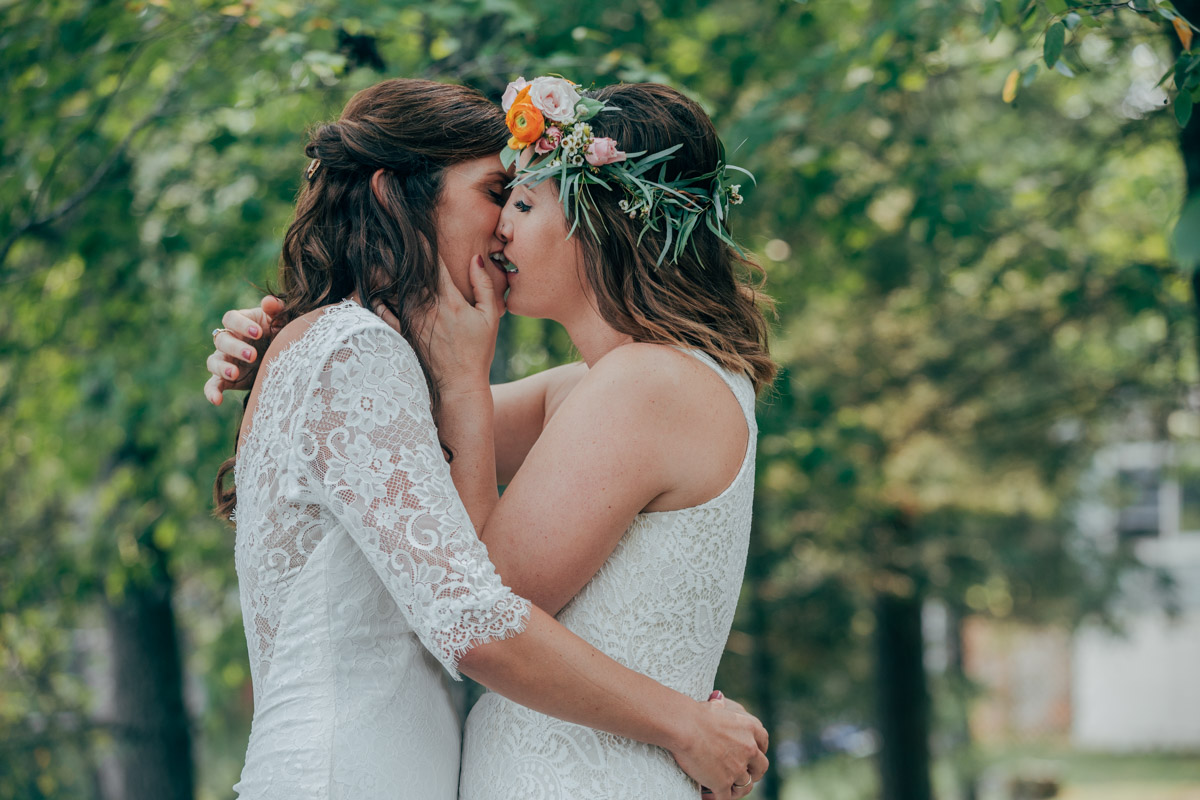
{"x": 522, "y": 206}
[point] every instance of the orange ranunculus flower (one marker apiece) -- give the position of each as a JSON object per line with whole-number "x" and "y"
{"x": 524, "y": 120}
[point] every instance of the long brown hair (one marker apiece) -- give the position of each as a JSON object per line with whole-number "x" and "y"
{"x": 710, "y": 298}
{"x": 346, "y": 239}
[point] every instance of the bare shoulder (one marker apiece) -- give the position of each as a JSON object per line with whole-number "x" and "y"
{"x": 655, "y": 371}
{"x": 654, "y": 387}
{"x": 677, "y": 408}
{"x": 291, "y": 332}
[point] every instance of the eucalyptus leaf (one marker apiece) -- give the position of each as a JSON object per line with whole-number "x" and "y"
{"x": 1052, "y": 47}
{"x": 1183, "y": 108}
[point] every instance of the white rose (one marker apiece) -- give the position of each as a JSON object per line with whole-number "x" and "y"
{"x": 554, "y": 97}
{"x": 510, "y": 93}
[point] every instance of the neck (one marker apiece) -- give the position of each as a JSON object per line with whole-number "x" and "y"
{"x": 592, "y": 336}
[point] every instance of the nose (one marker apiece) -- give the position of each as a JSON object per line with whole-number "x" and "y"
{"x": 504, "y": 227}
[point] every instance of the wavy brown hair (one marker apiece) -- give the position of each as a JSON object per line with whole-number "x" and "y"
{"x": 346, "y": 238}
{"x": 710, "y": 298}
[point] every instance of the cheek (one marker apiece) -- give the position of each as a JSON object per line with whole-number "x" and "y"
{"x": 481, "y": 221}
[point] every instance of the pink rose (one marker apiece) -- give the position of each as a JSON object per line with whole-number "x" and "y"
{"x": 554, "y": 97}
{"x": 603, "y": 151}
{"x": 549, "y": 140}
{"x": 510, "y": 94}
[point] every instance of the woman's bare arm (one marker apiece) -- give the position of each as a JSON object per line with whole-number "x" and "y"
{"x": 634, "y": 429}
{"x": 521, "y": 410}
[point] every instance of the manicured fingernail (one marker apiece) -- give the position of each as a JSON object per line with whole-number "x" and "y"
{"x": 716, "y": 695}
{"x": 247, "y": 354}
{"x": 253, "y": 330}
{"x": 229, "y": 372}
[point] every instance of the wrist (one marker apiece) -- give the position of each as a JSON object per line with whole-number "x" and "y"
{"x": 680, "y": 726}
{"x": 466, "y": 391}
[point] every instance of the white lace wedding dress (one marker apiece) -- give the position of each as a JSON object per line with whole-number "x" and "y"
{"x": 356, "y": 560}
{"x": 662, "y": 605}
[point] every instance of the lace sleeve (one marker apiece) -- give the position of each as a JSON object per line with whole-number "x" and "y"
{"x": 369, "y": 442}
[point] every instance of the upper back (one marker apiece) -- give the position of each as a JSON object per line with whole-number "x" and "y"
{"x": 663, "y": 602}
{"x": 706, "y": 419}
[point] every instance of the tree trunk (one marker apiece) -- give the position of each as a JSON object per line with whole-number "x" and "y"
{"x": 902, "y": 696}
{"x": 966, "y": 768}
{"x": 154, "y": 752}
{"x": 1189, "y": 148}
{"x": 762, "y": 661}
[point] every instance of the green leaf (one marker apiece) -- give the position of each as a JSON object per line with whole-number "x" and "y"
{"x": 587, "y": 108}
{"x": 989, "y": 19}
{"x": 1056, "y": 6}
{"x": 1010, "y": 11}
{"x": 1183, "y": 108}
{"x": 1056, "y": 36}
{"x": 1185, "y": 240}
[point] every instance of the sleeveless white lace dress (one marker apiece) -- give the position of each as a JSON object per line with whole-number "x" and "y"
{"x": 356, "y": 561}
{"x": 662, "y": 605}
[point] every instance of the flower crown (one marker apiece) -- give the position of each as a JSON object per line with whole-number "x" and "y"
{"x": 551, "y": 116}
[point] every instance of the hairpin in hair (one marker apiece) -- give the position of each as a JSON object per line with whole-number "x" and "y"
{"x": 312, "y": 169}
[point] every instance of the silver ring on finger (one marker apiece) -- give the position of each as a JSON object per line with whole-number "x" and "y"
{"x": 218, "y": 330}
{"x": 742, "y": 785}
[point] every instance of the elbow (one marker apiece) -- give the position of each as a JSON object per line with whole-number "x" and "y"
{"x": 472, "y": 662}
{"x": 499, "y": 661}
{"x": 488, "y": 663}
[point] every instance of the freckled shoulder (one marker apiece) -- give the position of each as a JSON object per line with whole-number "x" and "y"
{"x": 652, "y": 372}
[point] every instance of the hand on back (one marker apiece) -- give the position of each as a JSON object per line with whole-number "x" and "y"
{"x": 238, "y": 347}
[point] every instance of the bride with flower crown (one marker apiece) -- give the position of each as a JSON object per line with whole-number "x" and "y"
{"x": 630, "y": 475}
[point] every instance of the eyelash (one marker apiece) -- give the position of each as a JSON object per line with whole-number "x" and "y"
{"x": 522, "y": 206}
{"x": 498, "y": 198}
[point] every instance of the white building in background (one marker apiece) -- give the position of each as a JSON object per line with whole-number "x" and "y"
{"x": 1140, "y": 689}
{"x": 1137, "y": 689}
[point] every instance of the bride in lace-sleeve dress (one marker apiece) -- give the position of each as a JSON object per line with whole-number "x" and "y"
{"x": 360, "y": 573}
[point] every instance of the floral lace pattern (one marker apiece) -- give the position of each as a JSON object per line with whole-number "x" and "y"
{"x": 662, "y": 605}
{"x": 352, "y": 546}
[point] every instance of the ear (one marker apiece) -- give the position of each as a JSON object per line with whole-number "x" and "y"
{"x": 377, "y": 184}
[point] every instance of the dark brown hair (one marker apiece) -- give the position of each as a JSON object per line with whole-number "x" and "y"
{"x": 710, "y": 298}
{"x": 346, "y": 239}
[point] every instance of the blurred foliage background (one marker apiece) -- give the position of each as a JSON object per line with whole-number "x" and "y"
{"x": 965, "y": 211}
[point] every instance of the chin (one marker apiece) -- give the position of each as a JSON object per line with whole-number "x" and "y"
{"x": 513, "y": 304}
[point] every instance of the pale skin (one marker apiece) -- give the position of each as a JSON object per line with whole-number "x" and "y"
{"x": 582, "y": 448}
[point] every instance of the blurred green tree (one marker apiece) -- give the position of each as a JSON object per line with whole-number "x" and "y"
{"x": 973, "y": 298}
